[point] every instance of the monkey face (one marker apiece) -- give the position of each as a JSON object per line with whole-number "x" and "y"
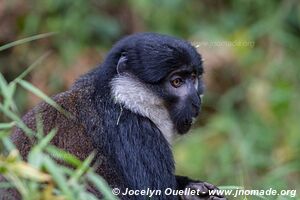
{"x": 184, "y": 88}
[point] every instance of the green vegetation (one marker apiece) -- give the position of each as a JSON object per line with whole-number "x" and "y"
{"x": 41, "y": 177}
{"x": 249, "y": 131}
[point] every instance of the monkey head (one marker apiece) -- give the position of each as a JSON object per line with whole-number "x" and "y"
{"x": 159, "y": 77}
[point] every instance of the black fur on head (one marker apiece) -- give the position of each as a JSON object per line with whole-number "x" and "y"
{"x": 151, "y": 56}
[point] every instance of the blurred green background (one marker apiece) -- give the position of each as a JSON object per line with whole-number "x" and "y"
{"x": 249, "y": 130}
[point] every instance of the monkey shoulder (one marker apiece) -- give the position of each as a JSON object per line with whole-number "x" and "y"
{"x": 71, "y": 134}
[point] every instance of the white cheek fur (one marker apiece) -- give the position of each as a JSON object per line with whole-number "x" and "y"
{"x": 136, "y": 97}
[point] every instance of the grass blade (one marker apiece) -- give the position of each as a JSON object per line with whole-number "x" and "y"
{"x": 58, "y": 177}
{"x": 25, "y": 40}
{"x": 101, "y": 185}
{"x": 63, "y": 155}
{"x": 17, "y": 120}
{"x": 83, "y": 168}
{"x": 31, "y": 67}
{"x": 39, "y": 93}
{"x": 8, "y": 125}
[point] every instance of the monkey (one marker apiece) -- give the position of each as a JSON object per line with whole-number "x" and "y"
{"x": 128, "y": 110}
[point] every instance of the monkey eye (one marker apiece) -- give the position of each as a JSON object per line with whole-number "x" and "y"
{"x": 177, "y": 82}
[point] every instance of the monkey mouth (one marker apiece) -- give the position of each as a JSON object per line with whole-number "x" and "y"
{"x": 185, "y": 126}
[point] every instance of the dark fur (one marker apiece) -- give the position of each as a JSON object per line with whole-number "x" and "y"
{"x": 132, "y": 153}
{"x": 135, "y": 147}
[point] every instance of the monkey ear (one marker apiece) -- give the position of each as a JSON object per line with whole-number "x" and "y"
{"x": 122, "y": 65}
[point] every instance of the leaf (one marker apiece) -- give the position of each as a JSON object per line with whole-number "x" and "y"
{"x": 3, "y": 85}
{"x": 12, "y": 165}
{"x": 83, "y": 168}
{"x": 7, "y": 91}
{"x": 63, "y": 155}
{"x": 27, "y": 171}
{"x": 35, "y": 156}
{"x": 7, "y": 125}
{"x": 58, "y": 176}
{"x": 45, "y": 141}
{"x": 43, "y": 96}
{"x": 101, "y": 185}
{"x": 31, "y": 67}
{"x": 18, "y": 183}
{"x": 48, "y": 193}
{"x": 8, "y": 144}
{"x": 17, "y": 120}
{"x": 25, "y": 40}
